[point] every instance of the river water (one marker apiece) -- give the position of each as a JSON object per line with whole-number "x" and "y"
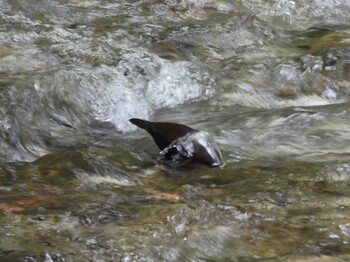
{"x": 269, "y": 79}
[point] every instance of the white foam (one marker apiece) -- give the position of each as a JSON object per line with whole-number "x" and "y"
{"x": 270, "y": 101}
{"x": 139, "y": 85}
{"x": 316, "y": 11}
{"x": 174, "y": 85}
{"x": 117, "y": 104}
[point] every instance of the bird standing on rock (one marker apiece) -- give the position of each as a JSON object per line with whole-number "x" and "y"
{"x": 180, "y": 142}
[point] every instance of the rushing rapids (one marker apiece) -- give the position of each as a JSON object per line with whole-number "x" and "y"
{"x": 269, "y": 80}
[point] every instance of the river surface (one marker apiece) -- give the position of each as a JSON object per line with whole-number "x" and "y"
{"x": 269, "y": 79}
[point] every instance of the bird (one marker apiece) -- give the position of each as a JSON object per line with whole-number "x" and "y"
{"x": 180, "y": 142}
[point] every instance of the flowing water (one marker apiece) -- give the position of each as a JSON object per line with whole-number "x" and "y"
{"x": 270, "y": 80}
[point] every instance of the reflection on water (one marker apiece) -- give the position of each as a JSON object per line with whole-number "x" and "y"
{"x": 270, "y": 82}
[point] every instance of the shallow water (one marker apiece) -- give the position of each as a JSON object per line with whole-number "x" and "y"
{"x": 270, "y": 80}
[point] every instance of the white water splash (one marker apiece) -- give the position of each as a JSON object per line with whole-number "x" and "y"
{"x": 187, "y": 145}
{"x": 141, "y": 84}
{"x": 173, "y": 85}
{"x": 268, "y": 101}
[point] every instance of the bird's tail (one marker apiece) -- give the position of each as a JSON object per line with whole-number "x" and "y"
{"x": 144, "y": 124}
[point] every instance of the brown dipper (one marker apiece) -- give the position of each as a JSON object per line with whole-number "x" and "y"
{"x": 180, "y": 142}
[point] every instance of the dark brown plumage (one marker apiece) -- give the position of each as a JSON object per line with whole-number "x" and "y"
{"x": 163, "y": 133}
{"x": 180, "y": 141}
